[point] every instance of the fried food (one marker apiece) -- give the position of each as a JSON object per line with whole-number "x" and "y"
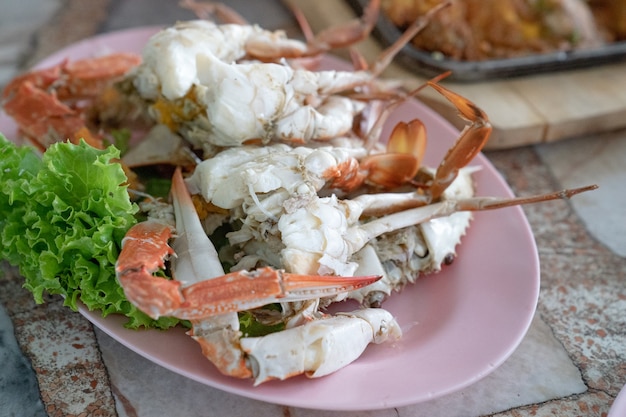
{"x": 473, "y": 30}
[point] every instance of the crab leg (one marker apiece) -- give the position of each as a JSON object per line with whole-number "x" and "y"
{"x": 205, "y": 10}
{"x": 76, "y": 80}
{"x": 322, "y": 235}
{"x": 334, "y": 37}
{"x": 383, "y": 61}
{"x": 44, "y": 119}
{"x": 43, "y": 102}
{"x": 366, "y": 232}
{"x": 200, "y": 288}
{"x": 469, "y": 144}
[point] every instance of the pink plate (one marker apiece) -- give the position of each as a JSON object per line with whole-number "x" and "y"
{"x": 618, "y": 408}
{"x": 459, "y": 325}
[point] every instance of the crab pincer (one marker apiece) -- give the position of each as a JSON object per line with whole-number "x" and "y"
{"x": 200, "y": 287}
{"x": 43, "y": 102}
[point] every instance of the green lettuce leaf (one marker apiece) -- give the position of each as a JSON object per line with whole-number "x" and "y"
{"x": 251, "y": 327}
{"x": 62, "y": 220}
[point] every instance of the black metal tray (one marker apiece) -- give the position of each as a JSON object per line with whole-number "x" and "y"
{"x": 430, "y": 65}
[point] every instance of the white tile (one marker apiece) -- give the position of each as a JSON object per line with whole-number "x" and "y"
{"x": 153, "y": 391}
{"x": 19, "y": 393}
{"x": 10, "y": 48}
{"x": 594, "y": 160}
{"x": 27, "y": 14}
{"x": 538, "y": 371}
{"x": 19, "y": 20}
{"x": 6, "y": 74}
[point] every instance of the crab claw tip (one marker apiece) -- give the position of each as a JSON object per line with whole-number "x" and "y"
{"x": 314, "y": 285}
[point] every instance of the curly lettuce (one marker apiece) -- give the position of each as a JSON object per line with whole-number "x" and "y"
{"x": 62, "y": 219}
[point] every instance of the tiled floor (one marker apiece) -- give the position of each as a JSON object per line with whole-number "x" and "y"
{"x": 15, "y": 36}
{"x": 601, "y": 161}
{"x": 19, "y": 393}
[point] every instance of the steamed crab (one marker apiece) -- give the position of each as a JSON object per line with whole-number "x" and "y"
{"x": 314, "y": 208}
{"x": 284, "y": 217}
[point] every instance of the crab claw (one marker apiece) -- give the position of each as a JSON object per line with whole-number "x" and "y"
{"x": 245, "y": 290}
{"x": 473, "y": 138}
{"x": 403, "y": 158}
{"x": 200, "y": 288}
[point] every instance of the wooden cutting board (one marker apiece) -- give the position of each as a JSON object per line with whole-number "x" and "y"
{"x": 524, "y": 110}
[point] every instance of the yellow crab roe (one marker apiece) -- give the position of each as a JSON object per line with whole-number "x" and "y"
{"x": 173, "y": 113}
{"x": 204, "y": 208}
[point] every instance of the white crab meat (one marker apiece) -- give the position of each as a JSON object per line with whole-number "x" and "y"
{"x": 321, "y": 235}
{"x": 319, "y": 347}
{"x": 403, "y": 255}
{"x": 244, "y": 100}
{"x": 442, "y": 235}
{"x": 247, "y": 174}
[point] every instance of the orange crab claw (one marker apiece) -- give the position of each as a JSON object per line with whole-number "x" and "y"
{"x": 76, "y": 80}
{"x": 473, "y": 138}
{"x": 44, "y": 102}
{"x": 236, "y": 291}
{"x": 409, "y": 138}
{"x": 201, "y": 288}
{"x": 405, "y": 151}
{"x": 43, "y": 118}
{"x": 87, "y": 78}
{"x": 42, "y": 79}
{"x": 244, "y": 290}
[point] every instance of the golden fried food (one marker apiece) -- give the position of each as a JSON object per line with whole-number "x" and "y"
{"x": 611, "y": 16}
{"x": 489, "y": 29}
